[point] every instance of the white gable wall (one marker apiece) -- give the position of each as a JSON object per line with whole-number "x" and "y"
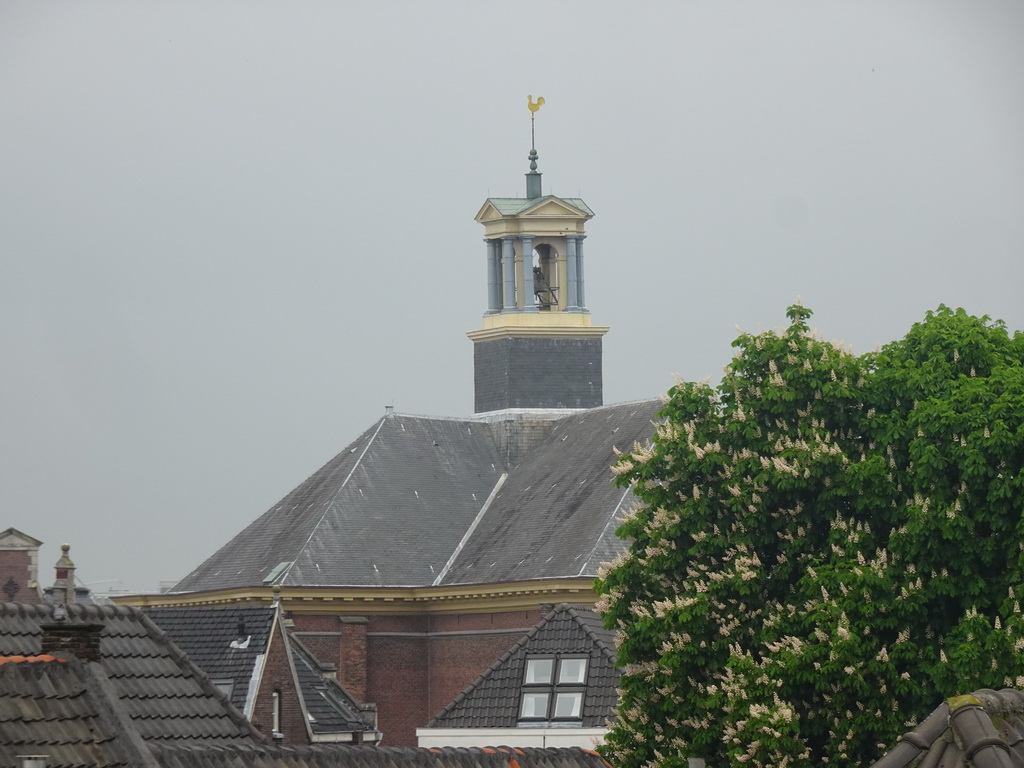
{"x": 587, "y": 738}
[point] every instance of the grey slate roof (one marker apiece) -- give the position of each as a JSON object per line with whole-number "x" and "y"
{"x": 556, "y": 514}
{"x": 982, "y": 730}
{"x": 56, "y": 707}
{"x": 225, "y": 642}
{"x": 165, "y": 696}
{"x": 493, "y": 699}
{"x": 395, "y": 505}
{"x": 379, "y": 757}
{"x": 388, "y": 510}
{"x": 510, "y": 206}
{"x": 330, "y": 707}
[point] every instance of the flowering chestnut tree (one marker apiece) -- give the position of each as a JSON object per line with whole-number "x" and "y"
{"x": 825, "y": 546}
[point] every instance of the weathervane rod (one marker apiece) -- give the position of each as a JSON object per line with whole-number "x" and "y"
{"x": 534, "y": 106}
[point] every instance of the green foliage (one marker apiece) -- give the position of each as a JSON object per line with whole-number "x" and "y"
{"x": 825, "y": 547}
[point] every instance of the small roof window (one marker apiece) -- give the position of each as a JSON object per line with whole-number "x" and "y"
{"x": 538, "y": 671}
{"x": 553, "y": 690}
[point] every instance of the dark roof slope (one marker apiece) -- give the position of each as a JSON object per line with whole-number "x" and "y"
{"x": 379, "y": 757}
{"x": 408, "y": 486}
{"x": 226, "y": 642}
{"x": 982, "y": 730}
{"x": 492, "y": 700}
{"x": 406, "y": 505}
{"x": 56, "y": 707}
{"x": 166, "y": 696}
{"x": 555, "y": 516}
{"x": 330, "y": 707}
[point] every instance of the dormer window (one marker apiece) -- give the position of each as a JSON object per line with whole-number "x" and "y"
{"x": 553, "y": 688}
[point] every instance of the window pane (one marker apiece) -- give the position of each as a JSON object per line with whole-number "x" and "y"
{"x": 538, "y": 671}
{"x": 535, "y": 705}
{"x": 572, "y": 671}
{"x": 568, "y": 705}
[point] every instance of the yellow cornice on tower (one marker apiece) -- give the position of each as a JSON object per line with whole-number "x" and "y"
{"x": 463, "y": 598}
{"x": 530, "y": 324}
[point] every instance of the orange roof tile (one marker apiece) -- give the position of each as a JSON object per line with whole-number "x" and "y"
{"x": 19, "y": 659}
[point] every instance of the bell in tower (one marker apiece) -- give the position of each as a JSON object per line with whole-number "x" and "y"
{"x": 537, "y": 347}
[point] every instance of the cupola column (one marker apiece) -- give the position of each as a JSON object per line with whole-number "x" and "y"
{"x": 580, "y": 284}
{"x": 526, "y": 243}
{"x": 493, "y": 276}
{"x": 572, "y": 301}
{"x": 508, "y": 273}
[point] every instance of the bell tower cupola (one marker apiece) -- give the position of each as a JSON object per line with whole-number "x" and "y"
{"x": 536, "y": 348}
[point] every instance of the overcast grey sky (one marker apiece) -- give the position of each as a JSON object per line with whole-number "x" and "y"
{"x": 232, "y": 232}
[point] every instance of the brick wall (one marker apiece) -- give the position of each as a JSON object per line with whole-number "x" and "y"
{"x": 459, "y": 622}
{"x": 410, "y": 666}
{"x": 326, "y": 646}
{"x": 417, "y": 664}
{"x": 16, "y": 574}
{"x": 455, "y": 661}
{"x": 397, "y": 683}
{"x": 352, "y": 656}
{"x": 277, "y": 676}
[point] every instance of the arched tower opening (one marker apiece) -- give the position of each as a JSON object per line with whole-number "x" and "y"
{"x": 545, "y": 277}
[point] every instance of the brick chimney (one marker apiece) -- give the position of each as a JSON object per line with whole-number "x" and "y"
{"x": 79, "y": 639}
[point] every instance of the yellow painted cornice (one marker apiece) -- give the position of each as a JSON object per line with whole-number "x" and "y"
{"x": 472, "y": 598}
{"x": 509, "y": 332}
{"x": 503, "y": 325}
{"x": 509, "y": 226}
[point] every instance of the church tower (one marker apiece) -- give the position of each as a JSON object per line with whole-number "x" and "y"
{"x": 537, "y": 347}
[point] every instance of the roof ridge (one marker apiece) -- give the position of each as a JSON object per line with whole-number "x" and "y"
{"x": 284, "y": 576}
{"x": 472, "y": 527}
{"x": 611, "y": 653}
{"x": 309, "y": 658}
{"x": 612, "y": 518}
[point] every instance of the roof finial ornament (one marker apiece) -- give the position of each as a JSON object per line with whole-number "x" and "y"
{"x": 64, "y": 585}
{"x": 533, "y": 177}
{"x": 534, "y": 106}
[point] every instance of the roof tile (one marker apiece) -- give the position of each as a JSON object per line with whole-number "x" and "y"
{"x": 164, "y": 694}
{"x": 985, "y": 728}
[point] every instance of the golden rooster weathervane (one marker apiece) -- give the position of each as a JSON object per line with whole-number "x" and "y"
{"x": 534, "y": 106}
